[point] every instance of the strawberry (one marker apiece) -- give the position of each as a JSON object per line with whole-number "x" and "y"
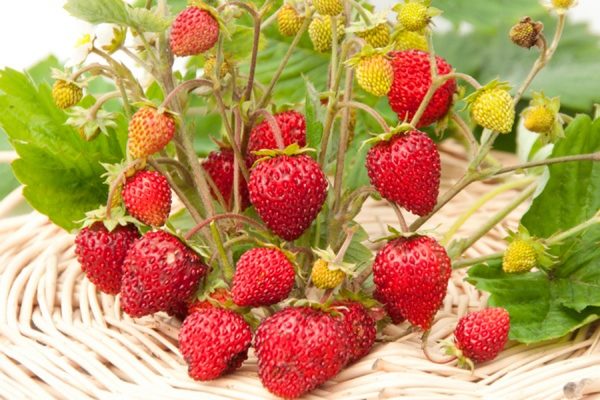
{"x": 147, "y": 197}
{"x": 406, "y": 170}
{"x": 375, "y": 74}
{"x": 415, "y": 15}
{"x": 289, "y": 20}
{"x": 520, "y": 256}
{"x": 543, "y": 117}
{"x": 412, "y": 79}
{"x": 219, "y": 297}
{"x": 292, "y": 125}
{"x": 66, "y": 93}
{"x": 329, "y": 7}
{"x": 149, "y": 132}
{"x": 376, "y": 36}
{"x": 194, "y": 31}
{"x": 159, "y": 273}
{"x": 480, "y": 336}
{"x": 263, "y": 276}
{"x": 101, "y": 254}
{"x": 492, "y": 107}
{"x": 214, "y": 341}
{"x": 288, "y": 193}
{"x": 359, "y": 327}
{"x": 526, "y": 33}
{"x": 320, "y": 33}
{"x": 219, "y": 166}
{"x": 411, "y": 277}
{"x": 405, "y": 40}
{"x": 325, "y": 278}
{"x": 299, "y": 349}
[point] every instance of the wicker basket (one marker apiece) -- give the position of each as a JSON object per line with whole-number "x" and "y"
{"x": 60, "y": 338}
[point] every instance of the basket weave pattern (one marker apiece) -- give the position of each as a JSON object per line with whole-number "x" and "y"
{"x": 60, "y": 338}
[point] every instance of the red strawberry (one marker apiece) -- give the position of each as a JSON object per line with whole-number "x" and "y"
{"x": 219, "y": 166}
{"x": 288, "y": 193}
{"x": 221, "y": 296}
{"x": 214, "y": 341}
{"x": 149, "y": 132}
{"x": 412, "y": 79}
{"x": 262, "y": 277}
{"x": 411, "y": 277}
{"x": 480, "y": 336}
{"x": 359, "y": 327}
{"x": 194, "y": 31}
{"x": 159, "y": 273}
{"x": 406, "y": 170}
{"x": 299, "y": 349}
{"x": 101, "y": 254}
{"x": 147, "y": 197}
{"x": 293, "y": 130}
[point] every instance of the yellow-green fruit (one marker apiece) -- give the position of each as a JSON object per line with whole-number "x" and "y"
{"x": 520, "y": 256}
{"x": 66, "y": 94}
{"x": 325, "y": 278}
{"x": 289, "y": 20}
{"x": 413, "y": 16}
{"x": 319, "y": 32}
{"x": 379, "y": 36}
{"x": 493, "y": 109}
{"x": 375, "y": 75}
{"x": 210, "y": 64}
{"x": 328, "y": 7}
{"x": 405, "y": 40}
{"x": 563, "y": 3}
{"x": 539, "y": 119}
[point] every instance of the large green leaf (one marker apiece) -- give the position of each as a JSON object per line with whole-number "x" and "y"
{"x": 99, "y": 11}
{"x": 61, "y": 172}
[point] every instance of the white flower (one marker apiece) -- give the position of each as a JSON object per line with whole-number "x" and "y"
{"x": 109, "y": 37}
{"x": 560, "y": 6}
{"x": 82, "y": 49}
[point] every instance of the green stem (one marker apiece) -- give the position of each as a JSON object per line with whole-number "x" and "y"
{"x": 274, "y": 127}
{"x": 369, "y": 110}
{"x": 217, "y": 217}
{"x": 186, "y": 86}
{"x": 557, "y": 239}
{"x": 361, "y": 11}
{"x": 400, "y": 216}
{"x": 550, "y": 161}
{"x": 467, "y": 133}
{"x": 467, "y": 262}
{"x": 228, "y": 270}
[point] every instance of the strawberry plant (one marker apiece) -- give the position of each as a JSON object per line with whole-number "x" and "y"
{"x": 212, "y": 158}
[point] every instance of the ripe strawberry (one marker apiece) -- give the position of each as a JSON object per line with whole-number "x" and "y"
{"x": 219, "y": 166}
{"x": 492, "y": 107}
{"x": 319, "y": 32}
{"x": 377, "y": 36}
{"x": 411, "y": 277}
{"x": 359, "y": 327}
{"x": 520, "y": 256}
{"x": 293, "y": 130}
{"x": 406, "y": 170}
{"x": 147, "y": 197}
{"x": 405, "y": 40}
{"x": 66, "y": 94}
{"x": 214, "y": 341}
{"x": 159, "y": 273}
{"x": 526, "y": 33}
{"x": 288, "y": 193}
{"x": 412, "y": 79}
{"x": 149, "y": 132}
{"x": 289, "y": 20}
{"x": 262, "y": 277}
{"x": 194, "y": 31}
{"x": 101, "y": 254}
{"x": 325, "y": 278}
{"x": 375, "y": 74}
{"x": 299, "y": 349}
{"x": 480, "y": 336}
{"x": 328, "y": 7}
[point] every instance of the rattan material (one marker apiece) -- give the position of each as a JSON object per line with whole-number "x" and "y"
{"x": 60, "y": 338}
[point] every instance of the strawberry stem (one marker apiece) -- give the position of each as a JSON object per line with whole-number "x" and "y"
{"x": 466, "y": 132}
{"x": 274, "y": 127}
{"x": 550, "y": 161}
{"x": 400, "y": 216}
{"x": 186, "y": 86}
{"x": 206, "y": 222}
{"x": 369, "y": 110}
{"x": 428, "y": 355}
{"x": 228, "y": 270}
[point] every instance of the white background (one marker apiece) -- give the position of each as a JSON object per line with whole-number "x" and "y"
{"x": 32, "y": 29}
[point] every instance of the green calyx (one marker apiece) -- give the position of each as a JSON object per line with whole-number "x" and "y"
{"x": 396, "y": 234}
{"x": 292, "y": 150}
{"x": 543, "y": 258}
{"x": 383, "y": 137}
{"x": 543, "y": 107}
{"x": 415, "y": 15}
{"x": 118, "y": 217}
{"x": 90, "y": 126}
{"x": 333, "y": 263}
{"x": 358, "y": 297}
{"x": 451, "y": 350}
{"x": 363, "y": 26}
{"x": 493, "y": 85}
{"x": 366, "y": 52}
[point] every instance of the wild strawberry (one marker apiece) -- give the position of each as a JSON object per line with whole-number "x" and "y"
{"x": 543, "y": 117}
{"x": 299, "y": 349}
{"x": 289, "y": 20}
{"x": 526, "y": 33}
{"x": 415, "y": 15}
{"x": 262, "y": 277}
{"x": 406, "y": 170}
{"x": 405, "y": 40}
{"x": 377, "y": 36}
{"x": 288, "y": 193}
{"x": 147, "y": 197}
{"x": 328, "y": 7}
{"x": 492, "y": 107}
{"x": 159, "y": 273}
{"x": 214, "y": 341}
{"x": 412, "y": 79}
{"x": 210, "y": 66}
{"x": 66, "y": 93}
{"x": 101, "y": 254}
{"x": 149, "y": 132}
{"x": 520, "y": 256}
{"x": 293, "y": 130}
{"x": 220, "y": 297}
{"x": 359, "y": 327}
{"x": 325, "y": 278}
{"x": 219, "y": 166}
{"x": 194, "y": 31}
{"x": 319, "y": 32}
{"x": 375, "y": 74}
{"x": 411, "y": 277}
{"x": 480, "y": 336}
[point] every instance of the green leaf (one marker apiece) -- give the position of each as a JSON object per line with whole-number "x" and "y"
{"x": 312, "y": 111}
{"x": 531, "y": 299}
{"x": 483, "y": 14}
{"x": 147, "y": 20}
{"x": 572, "y": 194}
{"x": 99, "y": 11}
{"x": 239, "y": 46}
{"x": 61, "y": 172}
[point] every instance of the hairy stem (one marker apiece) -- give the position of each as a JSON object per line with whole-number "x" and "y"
{"x": 371, "y": 111}
{"x": 467, "y": 262}
{"x": 187, "y": 87}
{"x": 550, "y": 161}
{"x": 400, "y": 216}
{"x": 467, "y": 133}
{"x": 206, "y": 222}
{"x": 230, "y": 134}
{"x": 343, "y": 143}
{"x": 228, "y": 270}
{"x": 274, "y": 127}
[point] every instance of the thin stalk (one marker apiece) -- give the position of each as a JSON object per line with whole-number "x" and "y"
{"x": 206, "y": 222}
{"x": 435, "y": 85}
{"x": 109, "y": 72}
{"x": 186, "y": 86}
{"x": 274, "y": 127}
{"x": 432, "y": 60}
{"x": 343, "y": 143}
{"x": 228, "y": 270}
{"x": 93, "y": 111}
{"x": 372, "y": 112}
{"x": 467, "y": 133}
{"x": 185, "y": 173}
{"x": 550, "y": 161}
{"x": 361, "y": 11}
{"x": 467, "y": 262}
{"x": 239, "y": 128}
{"x": 136, "y": 59}
{"x": 400, "y": 216}
{"x": 236, "y": 150}
{"x": 148, "y": 48}
{"x": 345, "y": 245}
{"x": 557, "y": 239}
{"x": 254, "y": 57}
